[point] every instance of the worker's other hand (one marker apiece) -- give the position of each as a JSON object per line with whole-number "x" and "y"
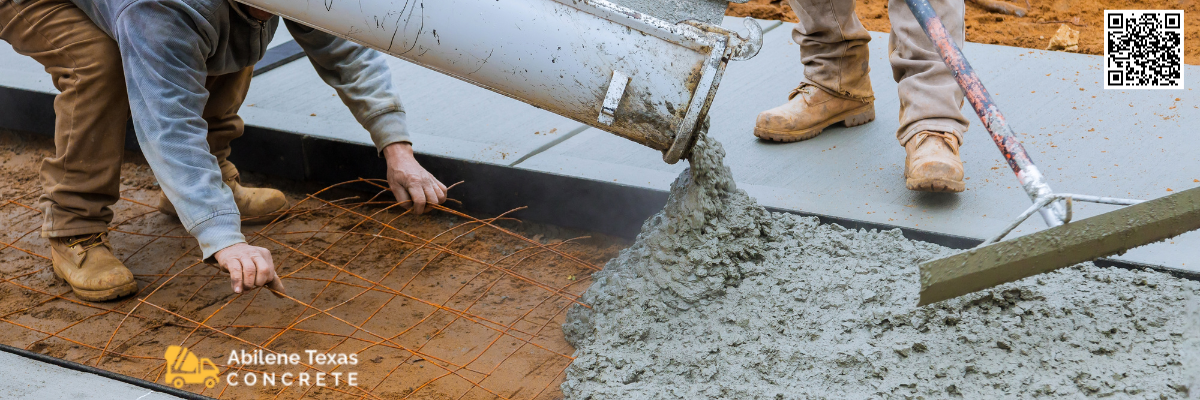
{"x": 411, "y": 182}
{"x": 249, "y": 267}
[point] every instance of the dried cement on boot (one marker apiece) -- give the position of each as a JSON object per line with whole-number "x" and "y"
{"x": 719, "y": 298}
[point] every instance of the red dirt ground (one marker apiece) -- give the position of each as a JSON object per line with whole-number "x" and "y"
{"x": 435, "y": 306}
{"x": 1032, "y": 31}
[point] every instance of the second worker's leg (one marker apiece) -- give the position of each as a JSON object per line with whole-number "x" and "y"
{"x": 226, "y": 94}
{"x": 837, "y": 84}
{"x": 82, "y": 179}
{"x": 931, "y": 121}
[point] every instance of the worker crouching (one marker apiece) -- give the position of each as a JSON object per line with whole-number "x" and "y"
{"x": 180, "y": 69}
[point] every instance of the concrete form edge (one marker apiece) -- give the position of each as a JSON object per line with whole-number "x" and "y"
{"x": 568, "y": 201}
{"x": 103, "y": 373}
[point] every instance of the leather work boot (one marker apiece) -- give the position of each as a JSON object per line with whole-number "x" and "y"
{"x": 933, "y": 164}
{"x": 810, "y": 110}
{"x": 87, "y": 263}
{"x": 257, "y": 205}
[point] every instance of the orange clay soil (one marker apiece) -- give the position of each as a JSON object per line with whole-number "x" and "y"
{"x": 1032, "y": 31}
{"x": 435, "y": 306}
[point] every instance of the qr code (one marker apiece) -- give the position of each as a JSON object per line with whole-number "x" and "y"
{"x": 1143, "y": 49}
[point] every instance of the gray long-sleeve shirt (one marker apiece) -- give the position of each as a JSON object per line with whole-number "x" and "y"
{"x": 169, "y": 47}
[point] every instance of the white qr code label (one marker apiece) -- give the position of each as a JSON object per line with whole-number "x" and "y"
{"x": 1143, "y": 49}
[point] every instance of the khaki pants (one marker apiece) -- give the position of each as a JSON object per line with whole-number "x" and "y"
{"x": 82, "y": 179}
{"x": 833, "y": 49}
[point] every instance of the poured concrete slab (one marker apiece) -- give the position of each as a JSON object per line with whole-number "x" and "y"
{"x": 446, "y": 116}
{"x": 20, "y": 72}
{"x": 281, "y": 36}
{"x": 31, "y": 379}
{"x": 1086, "y": 139}
{"x": 1061, "y": 246}
{"x": 1118, "y": 143}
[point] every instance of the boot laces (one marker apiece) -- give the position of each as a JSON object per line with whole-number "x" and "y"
{"x": 805, "y": 88}
{"x": 950, "y": 140}
{"x": 87, "y": 241}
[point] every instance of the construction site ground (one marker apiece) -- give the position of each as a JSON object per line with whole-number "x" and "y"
{"x": 434, "y": 305}
{"x": 1125, "y": 143}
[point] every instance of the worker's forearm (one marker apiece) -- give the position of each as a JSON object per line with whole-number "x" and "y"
{"x": 388, "y": 129}
{"x": 362, "y": 79}
{"x": 165, "y": 73}
{"x": 218, "y": 233}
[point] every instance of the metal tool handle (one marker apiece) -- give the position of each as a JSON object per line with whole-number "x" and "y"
{"x": 993, "y": 120}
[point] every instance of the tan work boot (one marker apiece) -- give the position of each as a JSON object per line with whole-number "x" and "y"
{"x": 257, "y": 205}
{"x": 932, "y": 164}
{"x": 810, "y": 110}
{"x": 87, "y": 263}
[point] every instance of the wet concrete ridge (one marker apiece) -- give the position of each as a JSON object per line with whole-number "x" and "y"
{"x": 719, "y": 298}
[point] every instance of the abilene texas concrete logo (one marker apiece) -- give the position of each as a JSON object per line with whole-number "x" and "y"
{"x": 184, "y": 367}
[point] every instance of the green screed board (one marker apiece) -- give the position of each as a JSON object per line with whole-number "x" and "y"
{"x": 1062, "y": 246}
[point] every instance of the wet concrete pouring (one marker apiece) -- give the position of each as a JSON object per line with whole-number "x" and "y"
{"x": 719, "y": 298}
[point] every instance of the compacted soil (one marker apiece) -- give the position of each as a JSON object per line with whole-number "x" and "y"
{"x": 433, "y": 306}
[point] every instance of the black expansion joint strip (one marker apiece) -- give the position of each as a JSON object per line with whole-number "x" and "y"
{"x": 107, "y": 374}
{"x": 598, "y": 206}
{"x": 278, "y": 56}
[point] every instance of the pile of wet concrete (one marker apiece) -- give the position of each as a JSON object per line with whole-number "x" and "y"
{"x": 719, "y": 298}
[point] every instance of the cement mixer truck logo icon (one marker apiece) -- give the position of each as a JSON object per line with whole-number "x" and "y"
{"x": 185, "y": 367}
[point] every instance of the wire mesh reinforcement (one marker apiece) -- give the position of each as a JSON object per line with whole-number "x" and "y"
{"x": 450, "y": 306}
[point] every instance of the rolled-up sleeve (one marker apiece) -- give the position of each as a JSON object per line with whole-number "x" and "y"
{"x": 163, "y": 50}
{"x": 361, "y": 78}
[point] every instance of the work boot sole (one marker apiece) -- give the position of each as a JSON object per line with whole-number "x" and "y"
{"x": 935, "y": 185}
{"x": 97, "y": 295}
{"x": 855, "y": 117}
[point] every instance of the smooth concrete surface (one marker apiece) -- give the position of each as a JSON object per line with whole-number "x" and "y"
{"x": 24, "y": 378}
{"x": 1086, "y": 140}
{"x": 446, "y": 116}
{"x": 1118, "y": 143}
{"x": 20, "y": 72}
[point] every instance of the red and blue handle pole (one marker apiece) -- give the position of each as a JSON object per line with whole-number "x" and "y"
{"x": 1014, "y": 153}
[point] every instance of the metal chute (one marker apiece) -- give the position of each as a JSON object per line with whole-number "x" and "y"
{"x": 566, "y": 57}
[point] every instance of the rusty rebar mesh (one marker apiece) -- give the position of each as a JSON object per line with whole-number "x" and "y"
{"x": 448, "y": 306}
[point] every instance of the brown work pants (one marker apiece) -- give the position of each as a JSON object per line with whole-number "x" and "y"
{"x": 833, "y": 49}
{"x": 82, "y": 179}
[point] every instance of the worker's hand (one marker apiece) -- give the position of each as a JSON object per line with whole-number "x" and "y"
{"x": 249, "y": 267}
{"x": 409, "y": 181}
